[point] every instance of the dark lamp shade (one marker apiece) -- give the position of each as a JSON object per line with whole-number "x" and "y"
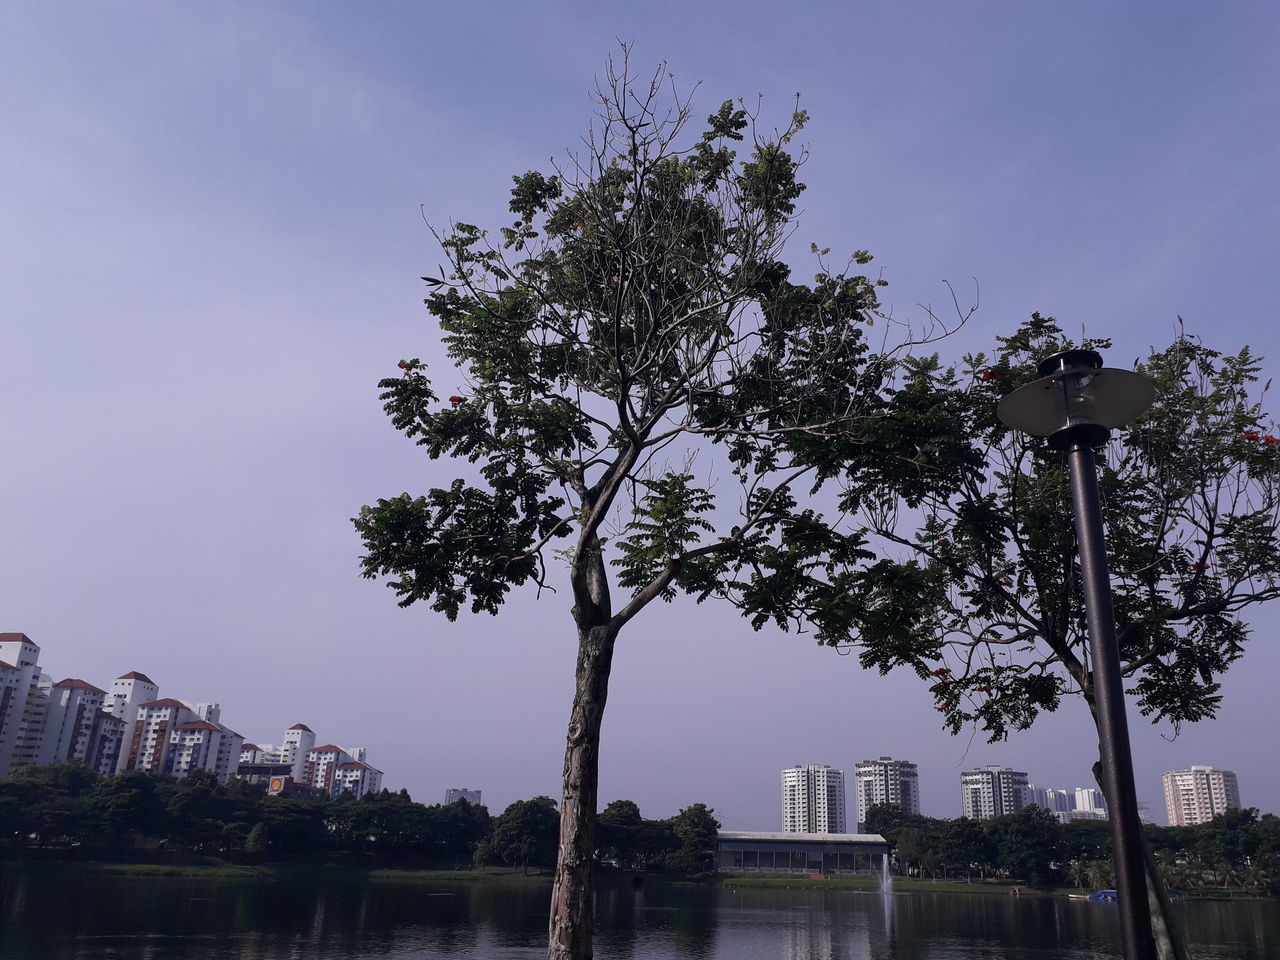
{"x": 1102, "y": 397}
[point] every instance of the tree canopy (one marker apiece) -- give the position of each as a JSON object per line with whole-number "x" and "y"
{"x": 981, "y": 576}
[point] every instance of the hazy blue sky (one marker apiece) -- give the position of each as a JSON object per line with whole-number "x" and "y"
{"x": 211, "y": 249}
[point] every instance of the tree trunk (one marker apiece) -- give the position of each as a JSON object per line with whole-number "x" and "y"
{"x": 570, "y": 926}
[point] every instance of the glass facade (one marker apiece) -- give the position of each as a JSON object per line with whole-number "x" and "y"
{"x": 819, "y": 856}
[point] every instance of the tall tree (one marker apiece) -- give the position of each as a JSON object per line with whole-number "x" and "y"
{"x": 984, "y": 587}
{"x": 620, "y": 829}
{"x": 696, "y": 829}
{"x": 525, "y": 833}
{"x": 628, "y": 344}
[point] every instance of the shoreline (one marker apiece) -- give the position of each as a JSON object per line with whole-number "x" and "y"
{"x": 211, "y": 868}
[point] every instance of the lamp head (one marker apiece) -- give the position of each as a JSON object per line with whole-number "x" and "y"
{"x": 1076, "y": 400}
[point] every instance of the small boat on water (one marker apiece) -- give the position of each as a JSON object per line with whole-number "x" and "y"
{"x": 1098, "y": 896}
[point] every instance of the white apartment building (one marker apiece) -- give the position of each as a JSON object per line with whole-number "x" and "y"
{"x": 42, "y": 722}
{"x": 1081, "y": 803}
{"x": 297, "y": 743}
{"x": 1091, "y": 800}
{"x": 129, "y": 728}
{"x": 70, "y": 721}
{"x": 151, "y": 732}
{"x": 813, "y": 799}
{"x": 322, "y": 766}
{"x": 24, "y": 701}
{"x": 357, "y": 777}
{"x": 1199, "y": 794}
{"x": 454, "y": 794}
{"x": 886, "y": 781}
{"x": 107, "y": 745}
{"x": 128, "y": 692}
{"x": 329, "y": 769}
{"x": 1057, "y": 802}
{"x": 992, "y": 791}
{"x": 202, "y": 745}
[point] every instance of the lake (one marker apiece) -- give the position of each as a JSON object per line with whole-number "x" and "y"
{"x": 48, "y": 917}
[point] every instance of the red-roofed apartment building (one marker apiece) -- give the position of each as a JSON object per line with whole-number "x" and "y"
{"x": 173, "y": 737}
{"x": 333, "y": 769}
{"x": 357, "y": 777}
{"x": 202, "y": 745}
{"x": 298, "y": 743}
{"x": 322, "y": 765}
{"x": 42, "y": 722}
{"x": 22, "y": 702}
{"x": 130, "y": 728}
{"x": 128, "y": 693}
{"x": 72, "y": 721}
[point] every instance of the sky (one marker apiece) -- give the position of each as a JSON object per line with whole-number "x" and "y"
{"x": 212, "y": 234}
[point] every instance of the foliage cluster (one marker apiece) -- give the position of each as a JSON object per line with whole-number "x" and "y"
{"x": 67, "y": 804}
{"x": 527, "y": 833}
{"x": 1236, "y": 849}
{"x": 980, "y": 576}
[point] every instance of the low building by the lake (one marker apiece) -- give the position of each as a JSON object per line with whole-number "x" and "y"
{"x": 741, "y": 851}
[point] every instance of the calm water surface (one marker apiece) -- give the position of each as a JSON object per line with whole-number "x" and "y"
{"x": 50, "y": 918}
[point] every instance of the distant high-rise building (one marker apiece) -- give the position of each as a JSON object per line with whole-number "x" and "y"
{"x": 454, "y": 794}
{"x": 992, "y": 791}
{"x": 1048, "y": 798}
{"x": 886, "y": 781}
{"x": 813, "y": 799}
{"x": 1199, "y": 794}
{"x": 1066, "y": 804}
{"x": 1091, "y": 800}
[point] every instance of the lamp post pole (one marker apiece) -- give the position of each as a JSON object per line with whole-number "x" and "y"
{"x": 1108, "y": 701}
{"x": 1075, "y": 404}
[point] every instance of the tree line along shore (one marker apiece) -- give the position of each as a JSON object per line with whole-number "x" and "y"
{"x": 139, "y": 823}
{"x": 69, "y": 812}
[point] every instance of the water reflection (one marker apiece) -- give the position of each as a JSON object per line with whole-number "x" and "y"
{"x": 60, "y": 918}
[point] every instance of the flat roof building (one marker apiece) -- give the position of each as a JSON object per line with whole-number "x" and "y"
{"x": 741, "y": 851}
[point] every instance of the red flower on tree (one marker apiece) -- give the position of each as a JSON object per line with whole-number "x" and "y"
{"x": 457, "y": 401}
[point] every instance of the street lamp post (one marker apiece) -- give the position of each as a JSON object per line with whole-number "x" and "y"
{"x": 1076, "y": 404}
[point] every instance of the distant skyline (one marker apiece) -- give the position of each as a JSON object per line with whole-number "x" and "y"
{"x": 213, "y": 239}
{"x": 1082, "y": 783}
